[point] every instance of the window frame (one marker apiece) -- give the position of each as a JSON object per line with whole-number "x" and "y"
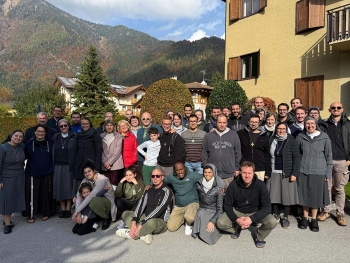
{"x": 236, "y": 9}
{"x": 235, "y": 67}
{"x": 310, "y": 83}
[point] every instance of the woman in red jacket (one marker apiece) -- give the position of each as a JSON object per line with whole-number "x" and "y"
{"x": 129, "y": 143}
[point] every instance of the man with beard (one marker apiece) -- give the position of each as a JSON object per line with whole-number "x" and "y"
{"x": 210, "y": 127}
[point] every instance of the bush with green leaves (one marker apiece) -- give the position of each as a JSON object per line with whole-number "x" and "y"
{"x": 163, "y": 95}
{"x": 224, "y": 94}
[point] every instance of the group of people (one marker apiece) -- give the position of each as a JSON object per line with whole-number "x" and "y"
{"x": 231, "y": 173}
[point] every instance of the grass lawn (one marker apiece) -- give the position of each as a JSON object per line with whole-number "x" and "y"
{"x": 347, "y": 191}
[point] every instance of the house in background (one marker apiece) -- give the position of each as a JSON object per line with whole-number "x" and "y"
{"x": 200, "y": 93}
{"x": 286, "y": 49}
{"x": 66, "y": 88}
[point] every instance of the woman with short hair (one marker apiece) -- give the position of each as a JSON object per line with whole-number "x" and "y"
{"x": 129, "y": 143}
{"x": 177, "y": 124}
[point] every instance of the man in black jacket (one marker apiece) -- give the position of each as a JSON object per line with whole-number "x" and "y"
{"x": 255, "y": 147}
{"x": 41, "y": 118}
{"x": 247, "y": 201}
{"x": 236, "y": 119}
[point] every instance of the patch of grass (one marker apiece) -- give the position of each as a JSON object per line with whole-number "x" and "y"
{"x": 347, "y": 191}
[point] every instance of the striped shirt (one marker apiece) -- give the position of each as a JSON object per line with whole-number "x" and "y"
{"x": 193, "y": 145}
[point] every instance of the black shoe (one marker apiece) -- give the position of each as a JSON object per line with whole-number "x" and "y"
{"x": 314, "y": 225}
{"x": 67, "y": 214}
{"x": 303, "y": 223}
{"x": 7, "y": 229}
{"x": 237, "y": 233}
{"x": 11, "y": 224}
{"x": 258, "y": 243}
{"x": 62, "y": 214}
{"x": 106, "y": 223}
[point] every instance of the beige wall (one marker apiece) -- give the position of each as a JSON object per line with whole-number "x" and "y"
{"x": 285, "y": 56}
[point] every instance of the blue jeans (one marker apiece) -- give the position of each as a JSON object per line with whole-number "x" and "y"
{"x": 194, "y": 167}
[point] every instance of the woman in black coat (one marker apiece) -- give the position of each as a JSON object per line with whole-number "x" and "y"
{"x": 285, "y": 163}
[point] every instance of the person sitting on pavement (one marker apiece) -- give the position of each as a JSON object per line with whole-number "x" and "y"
{"x": 247, "y": 201}
{"x": 151, "y": 214}
{"x": 186, "y": 197}
{"x": 210, "y": 194}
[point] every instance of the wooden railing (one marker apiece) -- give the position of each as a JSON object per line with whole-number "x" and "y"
{"x": 338, "y": 23}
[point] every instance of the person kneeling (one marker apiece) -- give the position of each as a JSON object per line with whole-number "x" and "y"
{"x": 247, "y": 201}
{"x": 151, "y": 213}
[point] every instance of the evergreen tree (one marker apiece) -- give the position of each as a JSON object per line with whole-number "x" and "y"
{"x": 92, "y": 96}
{"x": 216, "y": 79}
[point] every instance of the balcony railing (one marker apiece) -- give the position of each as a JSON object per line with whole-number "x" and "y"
{"x": 338, "y": 24}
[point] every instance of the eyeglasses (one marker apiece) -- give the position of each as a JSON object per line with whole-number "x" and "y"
{"x": 338, "y": 108}
{"x": 64, "y": 126}
{"x": 156, "y": 175}
{"x": 145, "y": 119}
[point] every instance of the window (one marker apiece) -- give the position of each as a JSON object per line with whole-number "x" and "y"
{"x": 135, "y": 96}
{"x": 243, "y": 8}
{"x": 195, "y": 97}
{"x": 203, "y": 99}
{"x": 309, "y": 14}
{"x": 124, "y": 108}
{"x": 310, "y": 91}
{"x": 244, "y": 67}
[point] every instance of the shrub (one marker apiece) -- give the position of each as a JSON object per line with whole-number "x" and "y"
{"x": 226, "y": 92}
{"x": 163, "y": 95}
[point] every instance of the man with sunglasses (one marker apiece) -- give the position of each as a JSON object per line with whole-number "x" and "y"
{"x": 152, "y": 212}
{"x": 143, "y": 135}
{"x": 338, "y": 129}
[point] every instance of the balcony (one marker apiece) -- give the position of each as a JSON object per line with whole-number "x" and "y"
{"x": 133, "y": 101}
{"x": 338, "y": 27}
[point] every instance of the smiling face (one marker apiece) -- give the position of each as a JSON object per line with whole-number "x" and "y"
{"x": 85, "y": 192}
{"x": 193, "y": 123}
{"x": 296, "y": 103}
{"x": 226, "y": 111}
{"x": 270, "y": 121}
{"x": 300, "y": 114}
{"x": 236, "y": 110}
{"x": 134, "y": 122}
{"x": 281, "y": 130}
{"x": 85, "y": 125}
{"x": 153, "y": 137}
{"x": 253, "y": 123}
{"x": 57, "y": 112}
{"x": 247, "y": 173}
{"x": 89, "y": 174}
{"x": 259, "y": 103}
{"x": 310, "y": 126}
{"x": 64, "y": 128}
{"x": 17, "y": 138}
{"x": 215, "y": 113}
{"x": 208, "y": 174}
{"x": 157, "y": 178}
{"x": 282, "y": 111}
{"x": 176, "y": 121}
{"x": 166, "y": 125}
{"x": 76, "y": 119}
{"x": 188, "y": 111}
{"x": 314, "y": 113}
{"x": 199, "y": 115}
{"x": 146, "y": 119}
{"x": 128, "y": 114}
{"x": 42, "y": 119}
{"x": 109, "y": 128}
{"x": 123, "y": 127}
{"x": 180, "y": 170}
{"x": 336, "y": 109}
{"x": 40, "y": 133}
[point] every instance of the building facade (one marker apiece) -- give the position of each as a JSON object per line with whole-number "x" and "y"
{"x": 286, "y": 49}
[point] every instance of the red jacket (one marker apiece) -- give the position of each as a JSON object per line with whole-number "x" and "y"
{"x": 129, "y": 149}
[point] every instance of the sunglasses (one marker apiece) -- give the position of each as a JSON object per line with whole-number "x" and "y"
{"x": 338, "y": 108}
{"x": 146, "y": 119}
{"x": 156, "y": 175}
{"x": 64, "y": 126}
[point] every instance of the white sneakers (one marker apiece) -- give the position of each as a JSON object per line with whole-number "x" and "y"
{"x": 95, "y": 226}
{"x": 125, "y": 233}
{"x": 188, "y": 229}
{"x": 147, "y": 239}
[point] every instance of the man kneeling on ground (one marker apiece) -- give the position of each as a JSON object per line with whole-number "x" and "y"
{"x": 247, "y": 201}
{"x": 152, "y": 212}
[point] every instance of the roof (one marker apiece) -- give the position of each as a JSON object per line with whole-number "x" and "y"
{"x": 197, "y": 85}
{"x": 69, "y": 83}
{"x": 120, "y": 90}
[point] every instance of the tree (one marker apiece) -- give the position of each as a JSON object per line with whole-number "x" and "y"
{"x": 92, "y": 96}
{"x": 5, "y": 94}
{"x": 5, "y": 111}
{"x": 26, "y": 104}
{"x": 216, "y": 79}
{"x": 227, "y": 92}
{"x": 163, "y": 95}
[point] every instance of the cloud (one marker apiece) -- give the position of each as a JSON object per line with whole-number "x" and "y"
{"x": 210, "y": 25}
{"x": 104, "y": 10}
{"x": 197, "y": 35}
{"x": 223, "y": 36}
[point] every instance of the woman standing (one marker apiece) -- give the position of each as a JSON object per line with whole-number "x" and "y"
{"x": 112, "y": 159}
{"x": 270, "y": 124}
{"x": 285, "y": 162}
{"x": 200, "y": 116}
{"x": 129, "y": 143}
{"x": 315, "y": 171}
{"x": 12, "y": 178}
{"x": 39, "y": 176}
{"x": 210, "y": 196}
{"x": 102, "y": 206}
{"x": 65, "y": 150}
{"x": 177, "y": 124}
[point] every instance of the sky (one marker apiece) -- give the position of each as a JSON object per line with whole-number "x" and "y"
{"x": 163, "y": 19}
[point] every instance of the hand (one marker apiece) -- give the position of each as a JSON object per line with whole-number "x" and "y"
{"x": 132, "y": 228}
{"x": 326, "y": 179}
{"x": 237, "y": 173}
{"x": 123, "y": 180}
{"x": 239, "y": 221}
{"x": 246, "y": 222}
{"x": 74, "y": 217}
{"x": 266, "y": 177}
{"x": 210, "y": 227}
{"x": 172, "y": 131}
{"x": 147, "y": 187}
{"x": 145, "y": 156}
{"x": 348, "y": 163}
{"x": 134, "y": 181}
{"x": 1, "y": 185}
{"x": 292, "y": 178}
{"x": 74, "y": 199}
{"x": 212, "y": 130}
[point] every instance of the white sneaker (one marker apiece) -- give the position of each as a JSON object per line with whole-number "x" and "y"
{"x": 147, "y": 239}
{"x": 121, "y": 225}
{"x": 188, "y": 229}
{"x": 123, "y": 233}
{"x": 95, "y": 226}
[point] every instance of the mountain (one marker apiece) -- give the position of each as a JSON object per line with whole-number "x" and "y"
{"x": 39, "y": 42}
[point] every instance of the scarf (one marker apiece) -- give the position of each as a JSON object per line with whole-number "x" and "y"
{"x": 273, "y": 148}
{"x": 270, "y": 129}
{"x": 312, "y": 135}
{"x": 207, "y": 185}
{"x": 86, "y": 134}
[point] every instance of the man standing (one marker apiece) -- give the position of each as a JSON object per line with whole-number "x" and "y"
{"x": 295, "y": 103}
{"x": 143, "y": 135}
{"x": 108, "y": 116}
{"x": 236, "y": 118}
{"x": 247, "y": 201}
{"x": 41, "y": 118}
{"x": 259, "y": 103}
{"x": 210, "y": 127}
{"x": 187, "y": 113}
{"x": 223, "y": 149}
{"x": 57, "y": 115}
{"x": 193, "y": 138}
{"x": 338, "y": 129}
{"x": 283, "y": 114}
{"x": 298, "y": 126}
{"x": 76, "y": 127}
{"x": 128, "y": 115}
{"x": 186, "y": 198}
{"x": 151, "y": 214}
{"x": 172, "y": 148}
{"x": 255, "y": 147}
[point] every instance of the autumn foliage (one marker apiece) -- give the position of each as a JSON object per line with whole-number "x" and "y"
{"x": 270, "y": 104}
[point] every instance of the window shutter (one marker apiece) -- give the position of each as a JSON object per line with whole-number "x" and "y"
{"x": 262, "y": 4}
{"x": 235, "y": 9}
{"x": 316, "y": 91}
{"x": 301, "y": 91}
{"x": 316, "y": 13}
{"x": 234, "y": 66}
{"x": 302, "y": 16}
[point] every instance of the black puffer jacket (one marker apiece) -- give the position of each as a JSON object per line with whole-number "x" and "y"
{"x": 213, "y": 199}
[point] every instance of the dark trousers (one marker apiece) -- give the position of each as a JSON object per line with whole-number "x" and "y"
{"x": 86, "y": 228}
{"x": 124, "y": 205}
